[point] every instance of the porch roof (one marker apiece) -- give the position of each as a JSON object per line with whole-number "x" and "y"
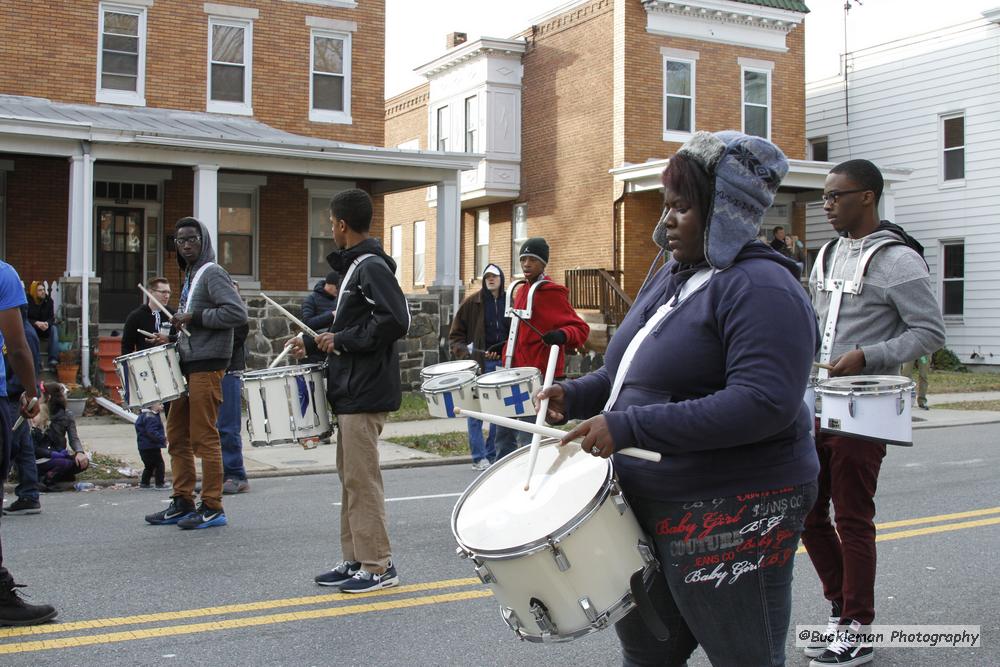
{"x": 41, "y": 126}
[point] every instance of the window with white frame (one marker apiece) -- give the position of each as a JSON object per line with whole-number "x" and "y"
{"x": 482, "y": 240}
{"x": 238, "y": 230}
{"x": 519, "y": 234}
{"x": 441, "y": 128}
{"x": 757, "y": 102}
{"x": 819, "y": 149}
{"x": 121, "y": 55}
{"x": 471, "y": 123}
{"x": 953, "y": 147}
{"x": 230, "y": 49}
{"x": 321, "y": 241}
{"x": 330, "y": 86}
{"x": 953, "y": 278}
{"x": 396, "y": 249}
{"x": 678, "y": 97}
{"x": 419, "y": 245}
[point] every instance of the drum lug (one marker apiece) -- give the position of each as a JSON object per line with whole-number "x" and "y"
{"x": 562, "y": 562}
{"x": 900, "y": 404}
{"x": 484, "y": 574}
{"x": 512, "y": 621}
{"x": 850, "y": 405}
{"x": 618, "y": 498}
{"x": 646, "y": 553}
{"x": 588, "y": 609}
{"x": 542, "y": 619}
{"x": 462, "y": 553}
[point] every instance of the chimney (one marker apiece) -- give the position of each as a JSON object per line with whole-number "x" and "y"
{"x": 455, "y": 38}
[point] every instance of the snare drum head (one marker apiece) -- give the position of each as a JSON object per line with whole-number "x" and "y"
{"x": 450, "y": 367}
{"x": 281, "y": 371}
{"x": 507, "y": 376}
{"x": 497, "y": 514}
{"x": 440, "y": 383}
{"x": 864, "y": 384}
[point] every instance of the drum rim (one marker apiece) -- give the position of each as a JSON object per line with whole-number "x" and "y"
{"x": 282, "y": 371}
{"x": 288, "y": 441}
{"x": 528, "y": 548}
{"x": 528, "y": 376}
{"x": 889, "y": 384}
{"x": 465, "y": 383}
{"x": 473, "y": 367}
{"x": 145, "y": 353}
{"x": 618, "y": 610}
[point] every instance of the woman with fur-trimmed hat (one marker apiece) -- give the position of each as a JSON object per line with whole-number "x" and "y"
{"x": 689, "y": 374}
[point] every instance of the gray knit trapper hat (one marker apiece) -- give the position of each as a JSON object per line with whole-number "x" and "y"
{"x": 746, "y": 172}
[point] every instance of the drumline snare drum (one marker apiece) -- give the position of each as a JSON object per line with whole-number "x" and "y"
{"x": 508, "y": 392}
{"x": 871, "y": 407}
{"x": 151, "y": 376}
{"x": 446, "y": 392}
{"x": 560, "y": 557}
{"x": 287, "y": 404}
{"x": 448, "y": 367}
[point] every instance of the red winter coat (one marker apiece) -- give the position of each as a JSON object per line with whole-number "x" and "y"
{"x": 550, "y": 310}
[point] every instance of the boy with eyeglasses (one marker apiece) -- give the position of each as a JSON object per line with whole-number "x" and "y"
{"x": 894, "y": 319}
{"x": 208, "y": 312}
{"x": 148, "y": 318}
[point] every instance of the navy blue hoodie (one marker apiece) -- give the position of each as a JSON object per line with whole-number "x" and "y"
{"x": 710, "y": 388}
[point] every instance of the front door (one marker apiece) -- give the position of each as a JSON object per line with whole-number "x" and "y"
{"x": 119, "y": 260}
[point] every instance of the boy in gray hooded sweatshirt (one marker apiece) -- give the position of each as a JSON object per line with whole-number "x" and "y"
{"x": 209, "y": 310}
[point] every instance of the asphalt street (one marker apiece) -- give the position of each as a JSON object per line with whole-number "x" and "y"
{"x": 129, "y": 593}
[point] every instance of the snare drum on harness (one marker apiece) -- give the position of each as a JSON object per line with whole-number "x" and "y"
{"x": 448, "y": 367}
{"x": 871, "y": 407}
{"x": 508, "y": 392}
{"x": 560, "y": 558}
{"x": 287, "y": 404}
{"x": 151, "y": 376}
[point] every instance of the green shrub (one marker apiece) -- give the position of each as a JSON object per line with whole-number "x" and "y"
{"x": 946, "y": 360}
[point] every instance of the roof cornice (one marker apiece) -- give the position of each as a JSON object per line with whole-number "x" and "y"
{"x": 470, "y": 50}
{"x": 726, "y": 11}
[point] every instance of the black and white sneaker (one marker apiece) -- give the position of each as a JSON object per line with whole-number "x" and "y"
{"x": 177, "y": 510}
{"x": 365, "y": 582}
{"x": 339, "y": 574}
{"x": 816, "y": 649}
{"x": 845, "y": 650}
{"x": 203, "y": 517}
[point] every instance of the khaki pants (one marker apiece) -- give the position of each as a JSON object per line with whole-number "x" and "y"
{"x": 363, "y": 533}
{"x": 191, "y": 432}
{"x": 923, "y": 366}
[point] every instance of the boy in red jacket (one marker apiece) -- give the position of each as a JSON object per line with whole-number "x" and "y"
{"x": 551, "y": 314}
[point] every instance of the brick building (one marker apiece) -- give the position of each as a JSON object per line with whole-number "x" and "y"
{"x": 118, "y": 117}
{"x": 576, "y": 117}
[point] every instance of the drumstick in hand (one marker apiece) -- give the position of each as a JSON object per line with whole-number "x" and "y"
{"x": 284, "y": 353}
{"x": 826, "y": 367}
{"x": 550, "y": 371}
{"x": 159, "y": 307}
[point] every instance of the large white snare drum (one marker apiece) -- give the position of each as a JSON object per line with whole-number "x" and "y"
{"x": 559, "y": 557}
{"x": 449, "y": 367}
{"x": 872, "y": 407}
{"x": 151, "y": 376}
{"x": 508, "y": 392}
{"x": 444, "y": 393}
{"x": 287, "y": 404}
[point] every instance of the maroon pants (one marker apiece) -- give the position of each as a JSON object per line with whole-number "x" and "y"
{"x": 844, "y": 557}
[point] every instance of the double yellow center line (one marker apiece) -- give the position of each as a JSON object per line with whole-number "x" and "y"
{"x": 344, "y": 605}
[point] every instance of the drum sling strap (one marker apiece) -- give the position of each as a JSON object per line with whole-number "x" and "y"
{"x": 837, "y": 288}
{"x": 515, "y": 323}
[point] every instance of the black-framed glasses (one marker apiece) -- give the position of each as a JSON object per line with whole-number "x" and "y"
{"x": 833, "y": 195}
{"x": 185, "y": 240}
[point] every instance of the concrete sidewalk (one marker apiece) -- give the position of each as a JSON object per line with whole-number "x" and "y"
{"x": 114, "y": 437}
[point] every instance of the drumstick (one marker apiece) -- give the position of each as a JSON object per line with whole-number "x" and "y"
{"x": 146, "y": 333}
{"x": 297, "y": 321}
{"x": 550, "y": 371}
{"x": 549, "y": 432}
{"x": 826, "y": 367}
{"x": 20, "y": 418}
{"x": 159, "y": 307}
{"x": 530, "y": 325}
{"x": 284, "y": 352}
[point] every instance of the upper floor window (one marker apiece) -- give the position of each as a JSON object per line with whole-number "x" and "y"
{"x": 953, "y": 278}
{"x": 238, "y": 230}
{"x": 482, "y": 240}
{"x": 953, "y": 147}
{"x": 819, "y": 149}
{"x": 419, "y": 246}
{"x": 441, "y": 127}
{"x": 396, "y": 249}
{"x": 330, "y": 86}
{"x": 121, "y": 55}
{"x": 230, "y": 46}
{"x": 519, "y": 235}
{"x": 471, "y": 123}
{"x": 756, "y": 99}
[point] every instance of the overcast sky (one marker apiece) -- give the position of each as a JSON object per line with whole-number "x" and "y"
{"x": 416, "y": 29}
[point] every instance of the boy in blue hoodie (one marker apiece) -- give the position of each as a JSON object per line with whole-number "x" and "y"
{"x": 151, "y": 439}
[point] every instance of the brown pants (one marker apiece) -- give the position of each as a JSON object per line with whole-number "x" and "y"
{"x": 363, "y": 533}
{"x": 191, "y": 432}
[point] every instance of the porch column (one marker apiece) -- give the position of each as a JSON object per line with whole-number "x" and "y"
{"x": 449, "y": 235}
{"x": 887, "y": 206}
{"x": 81, "y": 216}
{"x": 206, "y": 199}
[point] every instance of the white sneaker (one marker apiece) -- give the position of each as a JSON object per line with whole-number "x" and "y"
{"x": 481, "y": 464}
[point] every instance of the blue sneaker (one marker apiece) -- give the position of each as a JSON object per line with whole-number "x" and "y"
{"x": 203, "y": 517}
{"x": 177, "y": 510}
{"x": 338, "y": 575}
{"x": 365, "y": 582}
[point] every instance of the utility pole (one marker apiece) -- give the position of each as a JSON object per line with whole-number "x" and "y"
{"x": 847, "y": 111}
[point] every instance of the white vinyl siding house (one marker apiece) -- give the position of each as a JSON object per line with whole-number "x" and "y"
{"x": 928, "y": 105}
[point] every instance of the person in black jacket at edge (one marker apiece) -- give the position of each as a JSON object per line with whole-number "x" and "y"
{"x": 363, "y": 386}
{"x": 319, "y": 308}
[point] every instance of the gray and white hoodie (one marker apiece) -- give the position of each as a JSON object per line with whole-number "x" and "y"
{"x": 895, "y": 318}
